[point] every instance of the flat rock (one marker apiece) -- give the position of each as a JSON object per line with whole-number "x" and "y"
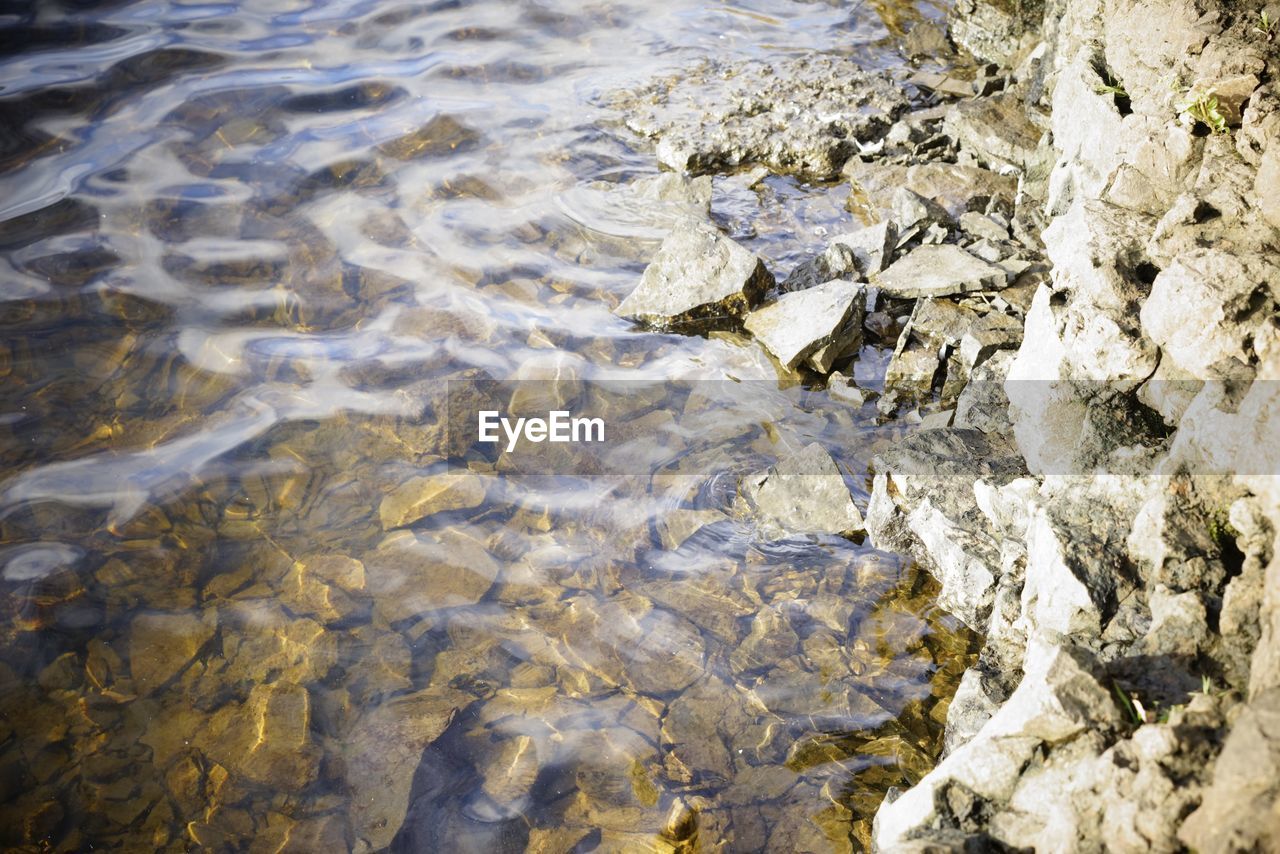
{"x": 161, "y": 645}
{"x": 983, "y": 227}
{"x": 797, "y": 324}
{"x": 931, "y": 271}
{"x": 803, "y": 494}
{"x": 382, "y": 751}
{"x": 411, "y": 576}
{"x": 267, "y": 739}
{"x": 420, "y": 497}
{"x": 698, "y": 280}
{"x": 803, "y": 114}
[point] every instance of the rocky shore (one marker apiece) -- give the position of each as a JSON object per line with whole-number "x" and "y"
{"x": 1110, "y": 525}
{"x": 1071, "y": 246}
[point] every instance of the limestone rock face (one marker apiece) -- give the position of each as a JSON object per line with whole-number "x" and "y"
{"x": 1267, "y": 185}
{"x": 933, "y": 271}
{"x": 1244, "y": 786}
{"x": 995, "y": 29}
{"x": 698, "y": 280}
{"x": 1205, "y": 308}
{"x": 1122, "y": 577}
{"x": 804, "y": 493}
{"x": 1059, "y": 700}
{"x": 796, "y": 325}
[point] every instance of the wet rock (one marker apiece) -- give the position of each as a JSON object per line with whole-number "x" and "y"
{"x": 696, "y": 729}
{"x": 804, "y": 493}
{"x": 161, "y": 645}
{"x": 771, "y": 640}
{"x": 508, "y": 772}
{"x": 420, "y": 497}
{"x": 709, "y": 603}
{"x": 796, "y": 325}
{"x": 679, "y": 525}
{"x": 804, "y": 114}
{"x": 411, "y": 576}
{"x": 267, "y": 739}
{"x": 932, "y": 271}
{"x": 382, "y": 750}
{"x": 261, "y": 642}
{"x": 441, "y": 136}
{"x": 341, "y": 571}
{"x": 662, "y": 653}
{"x": 698, "y": 280}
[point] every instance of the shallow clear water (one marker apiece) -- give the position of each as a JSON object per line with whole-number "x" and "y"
{"x": 245, "y": 246}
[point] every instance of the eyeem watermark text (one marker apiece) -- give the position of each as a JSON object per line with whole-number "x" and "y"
{"x": 558, "y": 427}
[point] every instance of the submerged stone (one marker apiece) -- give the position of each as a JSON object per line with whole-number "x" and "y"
{"x": 382, "y": 751}
{"x": 420, "y": 497}
{"x": 698, "y": 280}
{"x": 161, "y": 645}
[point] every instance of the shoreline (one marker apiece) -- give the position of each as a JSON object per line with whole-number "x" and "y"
{"x": 1125, "y": 695}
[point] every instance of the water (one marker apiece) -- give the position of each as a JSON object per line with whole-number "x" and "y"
{"x": 245, "y": 247}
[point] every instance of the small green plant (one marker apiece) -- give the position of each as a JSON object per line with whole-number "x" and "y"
{"x": 1131, "y": 704}
{"x": 1111, "y": 87}
{"x": 1203, "y": 108}
{"x": 1265, "y": 26}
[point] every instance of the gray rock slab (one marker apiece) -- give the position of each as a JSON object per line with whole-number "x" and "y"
{"x": 796, "y": 325}
{"x": 804, "y": 114}
{"x": 931, "y": 271}
{"x": 803, "y": 494}
{"x": 699, "y": 279}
